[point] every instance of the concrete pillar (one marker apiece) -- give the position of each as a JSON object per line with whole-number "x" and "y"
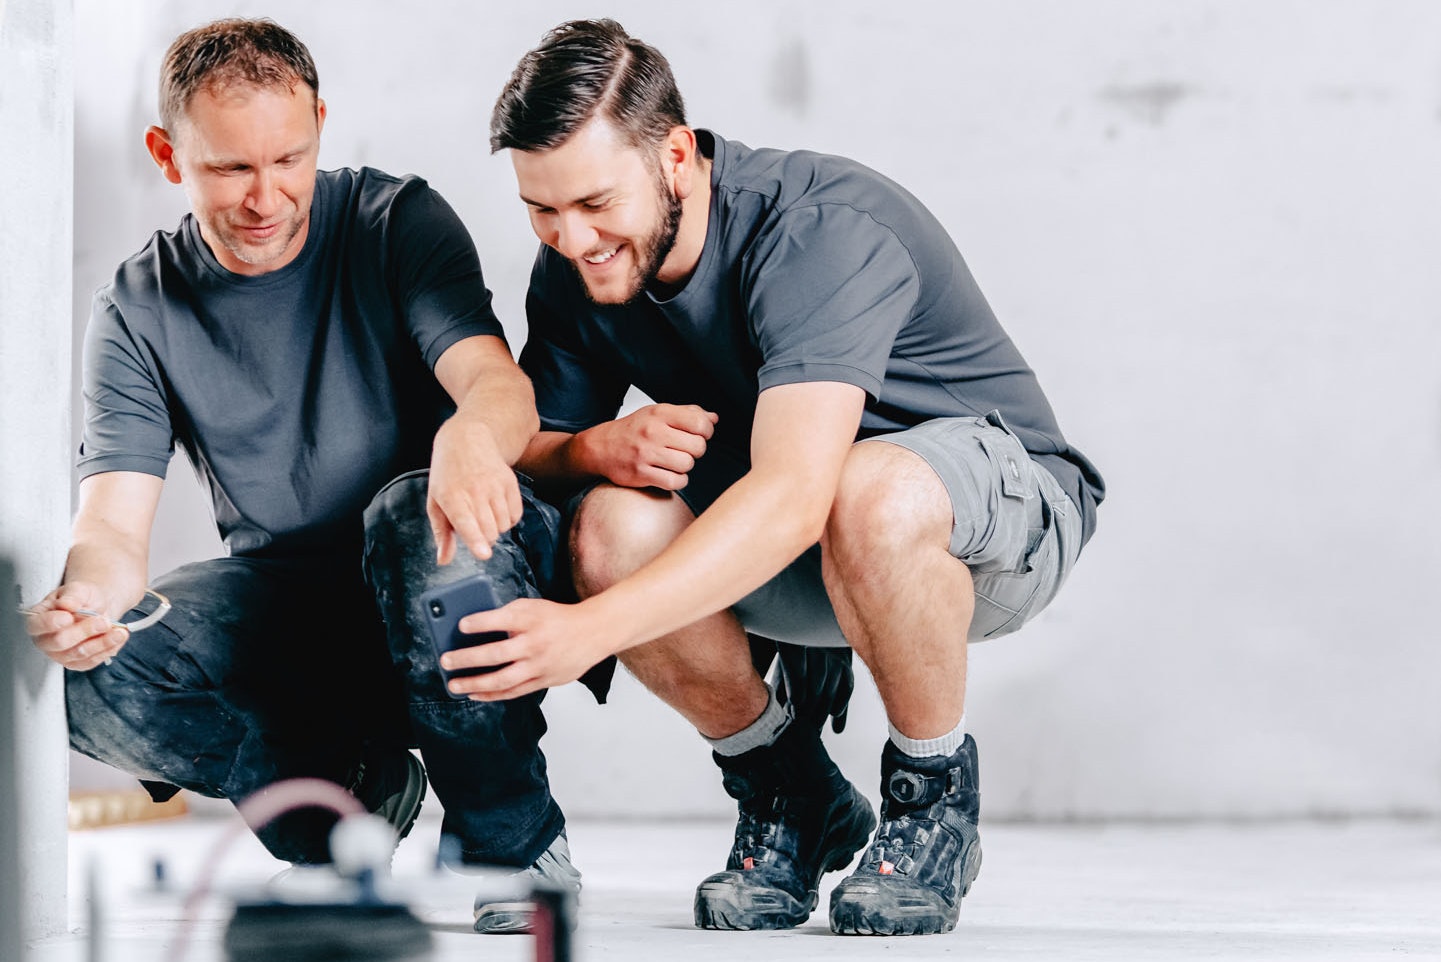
{"x": 36, "y": 172}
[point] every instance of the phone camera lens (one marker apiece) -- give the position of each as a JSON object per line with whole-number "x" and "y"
{"x": 437, "y": 610}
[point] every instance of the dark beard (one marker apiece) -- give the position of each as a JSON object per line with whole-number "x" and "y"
{"x": 660, "y": 243}
{"x": 657, "y": 248}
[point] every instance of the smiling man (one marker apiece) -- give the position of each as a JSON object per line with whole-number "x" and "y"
{"x": 845, "y": 450}
{"x": 308, "y": 338}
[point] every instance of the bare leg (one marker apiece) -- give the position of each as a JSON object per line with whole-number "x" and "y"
{"x": 704, "y": 671}
{"x": 903, "y": 602}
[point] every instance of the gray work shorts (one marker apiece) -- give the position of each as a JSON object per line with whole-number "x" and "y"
{"x": 1014, "y": 528}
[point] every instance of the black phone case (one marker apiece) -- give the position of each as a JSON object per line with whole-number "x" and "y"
{"x": 443, "y": 608}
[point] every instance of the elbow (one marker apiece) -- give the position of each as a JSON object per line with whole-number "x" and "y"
{"x": 809, "y": 517}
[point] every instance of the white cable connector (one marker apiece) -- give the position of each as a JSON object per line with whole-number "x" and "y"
{"x": 362, "y": 842}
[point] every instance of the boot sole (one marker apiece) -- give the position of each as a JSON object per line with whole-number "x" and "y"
{"x": 729, "y": 901}
{"x": 871, "y": 907}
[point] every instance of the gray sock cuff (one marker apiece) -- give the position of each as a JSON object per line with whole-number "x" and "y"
{"x": 926, "y": 747}
{"x": 759, "y": 733}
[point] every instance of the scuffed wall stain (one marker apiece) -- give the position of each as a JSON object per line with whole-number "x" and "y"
{"x": 1149, "y": 103}
{"x": 790, "y": 77}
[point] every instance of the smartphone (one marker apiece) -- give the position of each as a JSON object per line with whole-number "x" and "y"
{"x": 445, "y": 606}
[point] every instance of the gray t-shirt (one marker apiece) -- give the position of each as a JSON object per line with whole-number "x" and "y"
{"x": 815, "y": 268}
{"x": 299, "y": 393}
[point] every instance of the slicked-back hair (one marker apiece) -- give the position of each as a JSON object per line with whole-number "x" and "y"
{"x": 584, "y": 69}
{"x": 258, "y": 52}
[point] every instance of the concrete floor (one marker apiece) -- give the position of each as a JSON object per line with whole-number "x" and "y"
{"x": 1315, "y": 890}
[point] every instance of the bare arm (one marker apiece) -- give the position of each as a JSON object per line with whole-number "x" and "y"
{"x": 105, "y": 571}
{"x": 473, "y": 491}
{"x": 799, "y": 442}
{"x": 800, "y": 439}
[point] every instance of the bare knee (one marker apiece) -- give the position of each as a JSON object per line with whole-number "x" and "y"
{"x": 617, "y": 530}
{"x": 889, "y": 505}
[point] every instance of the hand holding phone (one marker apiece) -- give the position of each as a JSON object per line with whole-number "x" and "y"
{"x": 445, "y": 606}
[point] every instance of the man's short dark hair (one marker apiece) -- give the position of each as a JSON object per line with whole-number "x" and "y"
{"x": 583, "y": 69}
{"x": 259, "y": 52}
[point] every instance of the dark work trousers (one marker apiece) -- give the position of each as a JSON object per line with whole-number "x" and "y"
{"x": 267, "y": 669}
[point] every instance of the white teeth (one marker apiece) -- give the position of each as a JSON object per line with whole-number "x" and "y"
{"x": 600, "y": 258}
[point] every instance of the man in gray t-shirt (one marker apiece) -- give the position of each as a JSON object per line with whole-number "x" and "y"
{"x": 308, "y": 339}
{"x": 845, "y": 449}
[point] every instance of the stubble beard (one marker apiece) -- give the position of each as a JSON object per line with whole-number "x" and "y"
{"x": 260, "y": 255}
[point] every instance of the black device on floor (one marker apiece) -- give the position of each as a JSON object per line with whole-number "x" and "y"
{"x": 373, "y": 931}
{"x": 445, "y": 606}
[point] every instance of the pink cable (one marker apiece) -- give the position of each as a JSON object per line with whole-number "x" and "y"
{"x": 257, "y": 811}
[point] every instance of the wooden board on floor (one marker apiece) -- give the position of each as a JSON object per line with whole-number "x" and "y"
{"x": 99, "y": 809}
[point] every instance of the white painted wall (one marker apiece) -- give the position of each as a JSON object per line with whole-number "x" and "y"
{"x": 36, "y": 135}
{"x": 1212, "y": 227}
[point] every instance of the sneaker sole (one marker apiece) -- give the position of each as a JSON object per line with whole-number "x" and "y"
{"x": 505, "y": 918}
{"x": 729, "y": 901}
{"x": 407, "y": 808}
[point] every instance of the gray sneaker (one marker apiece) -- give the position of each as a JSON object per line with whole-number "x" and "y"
{"x": 552, "y": 870}
{"x": 392, "y": 785}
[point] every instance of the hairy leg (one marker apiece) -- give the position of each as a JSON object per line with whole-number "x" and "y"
{"x": 704, "y": 671}
{"x": 903, "y": 602}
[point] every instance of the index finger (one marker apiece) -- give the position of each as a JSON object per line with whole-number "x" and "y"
{"x": 694, "y": 419}
{"x": 441, "y": 530}
{"x": 478, "y": 532}
{"x": 482, "y": 622}
{"x": 53, "y": 637}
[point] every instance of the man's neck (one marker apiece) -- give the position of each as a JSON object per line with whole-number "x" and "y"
{"x": 690, "y": 237}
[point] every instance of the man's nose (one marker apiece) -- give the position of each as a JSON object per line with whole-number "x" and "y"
{"x": 574, "y": 235}
{"x": 265, "y": 198}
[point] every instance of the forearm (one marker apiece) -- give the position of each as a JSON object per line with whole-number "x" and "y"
{"x": 800, "y": 438}
{"x": 115, "y": 564}
{"x": 110, "y": 539}
{"x": 756, "y": 528}
{"x": 503, "y": 404}
{"x": 555, "y": 456}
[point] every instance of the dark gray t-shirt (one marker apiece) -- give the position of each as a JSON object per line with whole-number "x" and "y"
{"x": 299, "y": 393}
{"x": 815, "y": 268}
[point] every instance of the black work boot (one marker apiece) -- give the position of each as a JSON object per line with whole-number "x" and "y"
{"x": 799, "y": 818}
{"x": 926, "y": 853}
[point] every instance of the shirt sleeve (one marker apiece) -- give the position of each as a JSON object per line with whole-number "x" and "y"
{"x": 572, "y": 391}
{"x": 828, "y": 289}
{"x": 127, "y": 420}
{"x": 435, "y": 272}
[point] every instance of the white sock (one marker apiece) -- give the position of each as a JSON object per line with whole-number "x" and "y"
{"x": 763, "y": 731}
{"x": 923, "y": 747}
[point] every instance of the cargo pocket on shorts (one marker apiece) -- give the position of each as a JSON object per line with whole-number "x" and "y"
{"x": 1014, "y": 534}
{"x": 1005, "y": 599}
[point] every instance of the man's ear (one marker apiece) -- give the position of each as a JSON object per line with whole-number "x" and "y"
{"x": 678, "y": 155}
{"x": 319, "y": 115}
{"x": 162, "y": 151}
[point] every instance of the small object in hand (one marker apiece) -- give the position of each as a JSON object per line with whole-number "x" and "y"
{"x": 162, "y": 608}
